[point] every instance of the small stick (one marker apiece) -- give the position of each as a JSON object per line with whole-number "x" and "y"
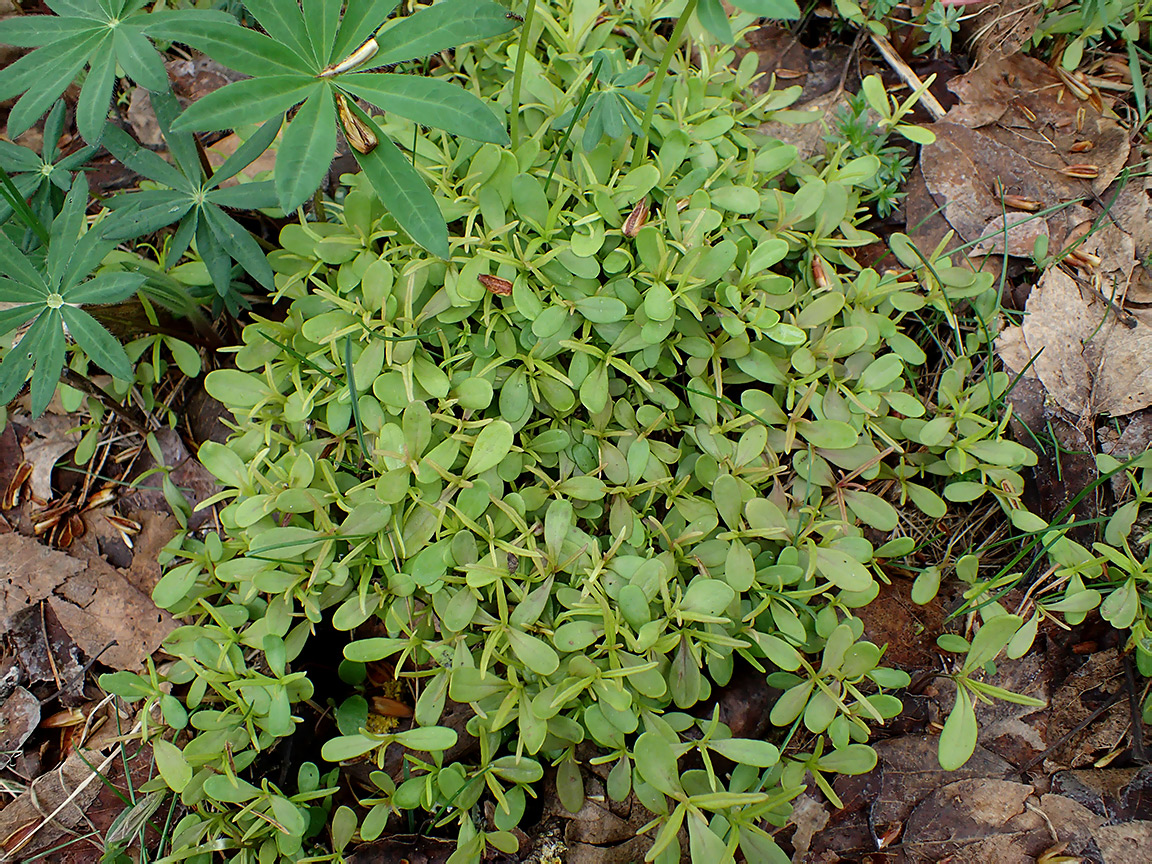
{"x": 930, "y": 102}
{"x": 1139, "y": 751}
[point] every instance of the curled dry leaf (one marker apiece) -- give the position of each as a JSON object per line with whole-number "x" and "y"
{"x": 497, "y": 285}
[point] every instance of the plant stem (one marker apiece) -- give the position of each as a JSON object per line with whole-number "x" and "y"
{"x": 658, "y": 80}
{"x": 518, "y": 78}
{"x": 84, "y": 384}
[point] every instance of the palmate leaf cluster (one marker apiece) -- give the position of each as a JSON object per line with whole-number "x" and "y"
{"x": 100, "y": 35}
{"x": 288, "y": 69}
{"x": 616, "y": 103}
{"x": 42, "y": 179}
{"x": 715, "y": 18}
{"x": 50, "y": 297}
{"x": 192, "y": 201}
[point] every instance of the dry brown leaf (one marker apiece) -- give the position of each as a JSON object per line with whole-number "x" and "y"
{"x": 1024, "y": 105}
{"x": 1091, "y": 362}
{"x": 809, "y": 816}
{"x": 961, "y": 169}
{"x": 50, "y": 436}
{"x": 1002, "y": 28}
{"x": 19, "y": 717}
{"x": 94, "y": 603}
{"x": 1125, "y": 844}
{"x": 71, "y": 788}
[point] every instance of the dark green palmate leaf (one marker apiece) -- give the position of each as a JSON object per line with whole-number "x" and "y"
{"x": 311, "y": 59}
{"x": 715, "y": 20}
{"x": 43, "y": 178}
{"x": 193, "y": 200}
{"x": 52, "y": 296}
{"x": 99, "y": 34}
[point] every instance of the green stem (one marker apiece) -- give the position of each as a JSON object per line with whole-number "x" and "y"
{"x": 658, "y": 79}
{"x": 518, "y": 78}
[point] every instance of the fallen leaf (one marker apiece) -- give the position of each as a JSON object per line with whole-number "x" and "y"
{"x": 1124, "y": 844}
{"x": 1023, "y": 104}
{"x": 1091, "y": 362}
{"x": 49, "y": 437}
{"x": 961, "y": 169}
{"x": 1002, "y": 28}
{"x": 19, "y": 717}
{"x": 95, "y": 604}
{"x": 809, "y": 816}
{"x": 1081, "y": 694}
{"x": 56, "y": 803}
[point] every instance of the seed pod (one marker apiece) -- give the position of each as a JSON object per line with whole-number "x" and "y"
{"x": 1076, "y": 83}
{"x": 1081, "y": 147}
{"x": 1084, "y": 259}
{"x": 789, "y": 74}
{"x": 819, "y": 274}
{"x": 1018, "y": 203}
{"x": 636, "y": 219}
{"x": 360, "y": 137}
{"x": 498, "y": 286}
{"x": 16, "y": 485}
{"x": 361, "y": 55}
{"x": 1081, "y": 171}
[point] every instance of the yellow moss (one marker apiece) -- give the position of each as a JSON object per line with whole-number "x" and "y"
{"x": 379, "y": 725}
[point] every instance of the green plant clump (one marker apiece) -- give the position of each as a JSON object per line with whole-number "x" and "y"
{"x": 618, "y": 443}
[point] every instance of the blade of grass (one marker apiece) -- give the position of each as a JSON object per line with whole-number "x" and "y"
{"x": 20, "y": 207}
{"x": 576, "y": 116}
{"x": 355, "y": 399}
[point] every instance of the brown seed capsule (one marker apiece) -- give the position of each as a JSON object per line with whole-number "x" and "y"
{"x": 361, "y": 55}
{"x": 13, "y": 493}
{"x": 1018, "y": 203}
{"x": 1076, "y": 83}
{"x": 789, "y": 74}
{"x": 360, "y": 137}
{"x": 1081, "y": 147}
{"x": 819, "y": 274}
{"x": 1081, "y": 171}
{"x": 636, "y": 219}
{"x": 1083, "y": 259}
{"x": 498, "y": 286}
